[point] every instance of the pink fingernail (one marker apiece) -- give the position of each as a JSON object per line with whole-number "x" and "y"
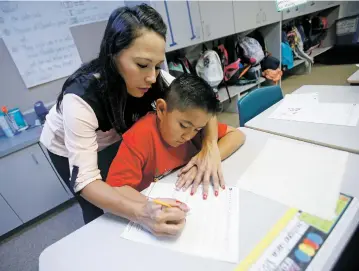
{"x": 204, "y": 196}
{"x": 216, "y": 193}
{"x": 192, "y": 193}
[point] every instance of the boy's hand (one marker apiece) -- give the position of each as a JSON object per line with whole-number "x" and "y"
{"x": 186, "y": 179}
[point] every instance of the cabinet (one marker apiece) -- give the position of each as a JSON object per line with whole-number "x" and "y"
{"x": 268, "y": 12}
{"x": 246, "y": 15}
{"x": 217, "y": 19}
{"x": 253, "y": 14}
{"x": 9, "y": 220}
{"x": 348, "y": 8}
{"x": 299, "y": 10}
{"x": 29, "y": 184}
{"x": 183, "y": 22}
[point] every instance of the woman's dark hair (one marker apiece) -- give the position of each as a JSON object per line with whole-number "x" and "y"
{"x": 123, "y": 27}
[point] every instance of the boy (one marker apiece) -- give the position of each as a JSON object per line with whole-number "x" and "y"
{"x": 163, "y": 141}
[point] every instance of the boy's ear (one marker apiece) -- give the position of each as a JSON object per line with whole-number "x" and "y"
{"x": 161, "y": 108}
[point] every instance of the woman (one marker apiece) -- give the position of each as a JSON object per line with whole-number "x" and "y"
{"x": 103, "y": 98}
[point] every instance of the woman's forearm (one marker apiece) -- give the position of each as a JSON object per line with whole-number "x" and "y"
{"x": 121, "y": 201}
{"x": 211, "y": 132}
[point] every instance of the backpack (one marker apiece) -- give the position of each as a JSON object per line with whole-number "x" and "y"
{"x": 179, "y": 64}
{"x": 287, "y": 56}
{"x": 209, "y": 67}
{"x": 232, "y": 71}
{"x": 249, "y": 50}
{"x": 269, "y": 61}
{"x": 177, "y": 68}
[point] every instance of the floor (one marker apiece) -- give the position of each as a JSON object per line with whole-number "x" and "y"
{"x": 20, "y": 252}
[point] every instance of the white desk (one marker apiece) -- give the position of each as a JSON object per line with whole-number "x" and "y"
{"x": 98, "y": 245}
{"x": 354, "y": 78}
{"x": 338, "y": 137}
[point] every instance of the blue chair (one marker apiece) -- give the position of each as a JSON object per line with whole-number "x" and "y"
{"x": 256, "y": 101}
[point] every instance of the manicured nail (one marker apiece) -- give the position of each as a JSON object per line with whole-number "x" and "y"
{"x": 204, "y": 196}
{"x": 216, "y": 193}
{"x": 179, "y": 202}
{"x": 192, "y": 193}
{"x": 224, "y": 187}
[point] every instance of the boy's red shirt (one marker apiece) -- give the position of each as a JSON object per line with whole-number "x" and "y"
{"x": 144, "y": 157}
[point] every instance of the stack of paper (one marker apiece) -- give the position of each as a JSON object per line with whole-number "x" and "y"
{"x": 211, "y": 228}
{"x": 297, "y": 174}
{"x": 307, "y": 108}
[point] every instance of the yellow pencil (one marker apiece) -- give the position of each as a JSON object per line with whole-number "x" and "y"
{"x": 161, "y": 203}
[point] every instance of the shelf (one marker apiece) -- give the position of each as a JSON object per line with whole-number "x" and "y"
{"x": 297, "y": 62}
{"x": 315, "y": 52}
{"x": 320, "y": 50}
{"x": 236, "y": 90}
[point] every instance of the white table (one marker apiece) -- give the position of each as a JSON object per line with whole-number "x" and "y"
{"x": 98, "y": 245}
{"x": 354, "y": 78}
{"x": 335, "y": 136}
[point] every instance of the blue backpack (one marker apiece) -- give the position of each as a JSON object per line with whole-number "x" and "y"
{"x": 287, "y": 56}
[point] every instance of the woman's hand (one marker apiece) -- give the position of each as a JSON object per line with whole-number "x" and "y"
{"x": 208, "y": 163}
{"x": 164, "y": 221}
{"x": 186, "y": 179}
{"x": 274, "y": 75}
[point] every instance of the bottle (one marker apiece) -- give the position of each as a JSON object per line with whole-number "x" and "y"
{"x": 18, "y": 118}
{"x": 10, "y": 120}
{"x": 5, "y": 126}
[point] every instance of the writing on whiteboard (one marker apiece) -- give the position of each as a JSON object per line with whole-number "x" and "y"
{"x": 24, "y": 17}
{"x": 41, "y": 57}
{"x": 285, "y": 4}
{"x": 83, "y": 12}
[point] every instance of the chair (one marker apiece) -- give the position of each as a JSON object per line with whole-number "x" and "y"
{"x": 256, "y": 101}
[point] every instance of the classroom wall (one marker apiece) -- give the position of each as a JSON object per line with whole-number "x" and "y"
{"x": 13, "y": 92}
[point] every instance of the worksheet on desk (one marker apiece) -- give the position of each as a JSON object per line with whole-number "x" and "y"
{"x": 212, "y": 225}
{"x": 307, "y": 108}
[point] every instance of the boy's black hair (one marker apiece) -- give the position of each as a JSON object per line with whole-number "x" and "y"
{"x": 190, "y": 91}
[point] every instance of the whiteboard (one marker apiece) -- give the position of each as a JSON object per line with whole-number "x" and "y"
{"x": 38, "y": 38}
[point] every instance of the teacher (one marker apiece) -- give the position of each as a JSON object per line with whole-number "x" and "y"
{"x": 103, "y": 99}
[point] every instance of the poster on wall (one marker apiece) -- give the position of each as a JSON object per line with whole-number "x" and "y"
{"x": 285, "y": 4}
{"x": 42, "y": 57}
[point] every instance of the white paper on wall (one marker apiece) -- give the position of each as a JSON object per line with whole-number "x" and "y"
{"x": 41, "y": 56}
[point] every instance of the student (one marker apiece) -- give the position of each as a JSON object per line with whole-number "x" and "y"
{"x": 103, "y": 98}
{"x": 163, "y": 141}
